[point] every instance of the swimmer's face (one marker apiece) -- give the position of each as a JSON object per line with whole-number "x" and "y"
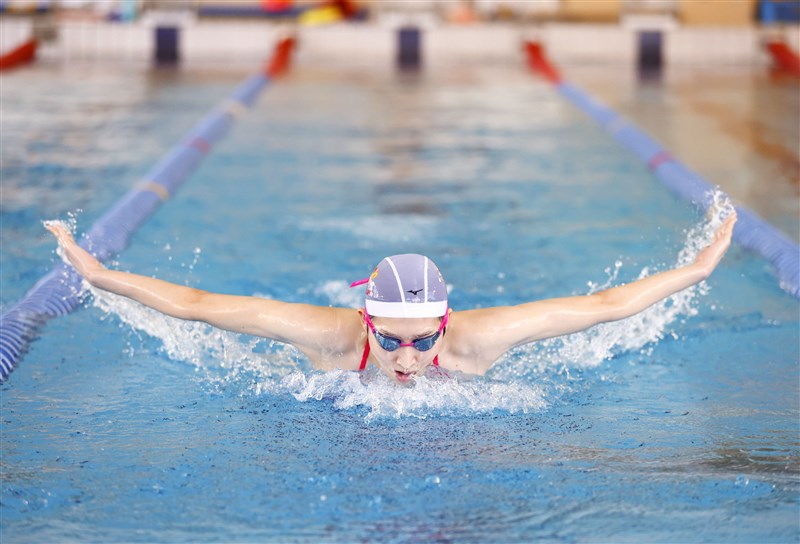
{"x": 404, "y": 363}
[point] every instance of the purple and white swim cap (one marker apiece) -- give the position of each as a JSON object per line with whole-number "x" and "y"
{"x": 408, "y": 285}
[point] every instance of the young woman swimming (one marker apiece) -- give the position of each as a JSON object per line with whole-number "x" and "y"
{"x": 406, "y": 324}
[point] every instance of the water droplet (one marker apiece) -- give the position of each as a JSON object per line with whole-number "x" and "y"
{"x": 435, "y": 480}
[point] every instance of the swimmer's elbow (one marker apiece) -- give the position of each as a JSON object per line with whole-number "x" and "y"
{"x": 193, "y": 304}
{"x": 188, "y": 303}
{"x": 90, "y": 276}
{"x": 93, "y": 273}
{"x": 100, "y": 277}
{"x": 611, "y": 304}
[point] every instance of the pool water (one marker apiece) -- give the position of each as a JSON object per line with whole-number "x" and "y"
{"x": 122, "y": 425}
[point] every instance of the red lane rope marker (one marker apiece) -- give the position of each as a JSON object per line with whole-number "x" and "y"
{"x": 537, "y": 61}
{"x": 658, "y": 159}
{"x": 282, "y": 57}
{"x": 201, "y": 145}
{"x": 783, "y": 57}
{"x": 23, "y": 54}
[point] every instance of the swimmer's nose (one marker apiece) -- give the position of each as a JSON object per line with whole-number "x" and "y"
{"x": 407, "y": 359}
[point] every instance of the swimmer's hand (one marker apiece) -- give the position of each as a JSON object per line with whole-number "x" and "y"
{"x": 79, "y": 258}
{"x": 708, "y": 259}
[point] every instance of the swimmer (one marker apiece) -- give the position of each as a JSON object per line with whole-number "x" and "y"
{"x": 406, "y": 324}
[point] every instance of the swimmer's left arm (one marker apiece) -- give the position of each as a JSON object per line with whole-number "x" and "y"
{"x": 321, "y": 333}
{"x": 508, "y": 327}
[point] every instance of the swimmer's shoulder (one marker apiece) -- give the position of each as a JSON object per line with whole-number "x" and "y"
{"x": 339, "y": 338}
{"x": 466, "y": 349}
{"x": 478, "y": 338}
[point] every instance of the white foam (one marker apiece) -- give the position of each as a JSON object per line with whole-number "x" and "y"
{"x": 198, "y": 343}
{"x": 437, "y": 394}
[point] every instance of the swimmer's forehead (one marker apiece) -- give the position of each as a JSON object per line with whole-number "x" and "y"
{"x": 416, "y": 327}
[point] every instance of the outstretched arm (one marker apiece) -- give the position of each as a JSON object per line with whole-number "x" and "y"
{"x": 506, "y": 327}
{"x": 312, "y": 329}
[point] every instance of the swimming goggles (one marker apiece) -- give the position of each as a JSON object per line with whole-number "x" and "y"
{"x": 390, "y": 343}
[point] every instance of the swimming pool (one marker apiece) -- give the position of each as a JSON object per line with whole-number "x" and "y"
{"x": 120, "y": 425}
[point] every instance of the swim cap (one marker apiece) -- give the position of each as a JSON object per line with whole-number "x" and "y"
{"x": 408, "y": 285}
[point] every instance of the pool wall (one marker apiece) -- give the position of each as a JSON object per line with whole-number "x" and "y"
{"x": 375, "y": 43}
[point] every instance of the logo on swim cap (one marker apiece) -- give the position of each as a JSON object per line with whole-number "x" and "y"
{"x": 408, "y": 285}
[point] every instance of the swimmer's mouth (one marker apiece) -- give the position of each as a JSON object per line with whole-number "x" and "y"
{"x": 404, "y": 377}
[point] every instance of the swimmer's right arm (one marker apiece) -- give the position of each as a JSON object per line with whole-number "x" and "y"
{"x": 493, "y": 331}
{"x": 312, "y": 329}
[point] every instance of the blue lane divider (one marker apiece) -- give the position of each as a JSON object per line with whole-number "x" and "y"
{"x": 751, "y": 231}
{"x": 58, "y": 292}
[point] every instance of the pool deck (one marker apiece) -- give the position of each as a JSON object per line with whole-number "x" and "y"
{"x": 717, "y": 104}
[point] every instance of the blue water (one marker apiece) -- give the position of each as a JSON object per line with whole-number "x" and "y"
{"x": 119, "y": 425}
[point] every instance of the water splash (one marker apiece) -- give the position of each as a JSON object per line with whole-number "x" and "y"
{"x": 224, "y": 356}
{"x": 527, "y": 380}
{"x": 435, "y": 394}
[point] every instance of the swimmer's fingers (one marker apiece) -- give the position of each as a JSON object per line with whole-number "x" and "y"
{"x": 713, "y": 253}
{"x": 62, "y": 234}
{"x": 726, "y": 230}
{"x": 78, "y": 257}
{"x": 724, "y": 233}
{"x": 726, "y": 227}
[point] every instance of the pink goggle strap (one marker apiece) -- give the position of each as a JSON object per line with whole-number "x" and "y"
{"x": 444, "y": 319}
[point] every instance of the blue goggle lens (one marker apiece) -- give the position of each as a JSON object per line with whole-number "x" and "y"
{"x": 420, "y": 344}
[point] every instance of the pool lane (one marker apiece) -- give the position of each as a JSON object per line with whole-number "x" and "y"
{"x": 58, "y": 292}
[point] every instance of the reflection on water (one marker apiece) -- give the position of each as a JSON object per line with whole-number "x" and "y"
{"x": 747, "y": 458}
